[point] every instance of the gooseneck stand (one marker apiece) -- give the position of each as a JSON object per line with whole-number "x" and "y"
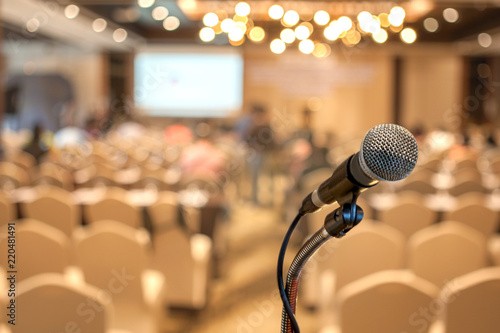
{"x": 337, "y": 224}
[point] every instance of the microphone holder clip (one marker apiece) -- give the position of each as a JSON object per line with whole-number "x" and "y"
{"x": 337, "y": 224}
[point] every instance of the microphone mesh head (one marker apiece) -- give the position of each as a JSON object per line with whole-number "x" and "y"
{"x": 388, "y": 152}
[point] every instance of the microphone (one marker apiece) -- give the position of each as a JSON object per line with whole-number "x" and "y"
{"x": 388, "y": 152}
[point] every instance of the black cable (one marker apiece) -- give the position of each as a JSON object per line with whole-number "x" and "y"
{"x": 281, "y": 257}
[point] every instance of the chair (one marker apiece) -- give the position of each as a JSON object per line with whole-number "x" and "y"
{"x": 477, "y": 216}
{"x": 40, "y": 248}
{"x": 13, "y": 176}
{"x": 47, "y": 303}
{"x": 55, "y": 207}
{"x": 467, "y": 186}
{"x": 164, "y": 213}
{"x": 494, "y": 249}
{"x": 383, "y": 302}
{"x": 113, "y": 206}
{"x": 8, "y": 211}
{"x": 446, "y": 250}
{"x": 408, "y": 217}
{"x": 115, "y": 257}
{"x": 370, "y": 247}
{"x": 185, "y": 262}
{"x": 419, "y": 186}
{"x": 53, "y": 174}
{"x": 468, "y": 174}
{"x": 470, "y": 303}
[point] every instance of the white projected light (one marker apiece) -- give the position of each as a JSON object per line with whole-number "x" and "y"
{"x": 188, "y": 84}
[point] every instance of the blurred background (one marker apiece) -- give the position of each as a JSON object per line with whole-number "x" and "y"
{"x": 154, "y": 153}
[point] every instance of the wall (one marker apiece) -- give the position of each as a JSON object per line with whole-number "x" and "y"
{"x": 432, "y": 90}
{"x": 83, "y": 69}
{"x": 348, "y": 93}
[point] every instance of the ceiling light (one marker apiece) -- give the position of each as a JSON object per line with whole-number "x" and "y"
{"x": 484, "y": 40}
{"x": 242, "y": 9}
{"x": 207, "y": 34}
{"x": 257, "y": 34}
{"x": 119, "y": 35}
{"x": 159, "y": 13}
{"x": 71, "y": 11}
{"x": 287, "y": 35}
{"x": 408, "y": 35}
{"x": 99, "y": 25}
{"x": 431, "y": 24}
{"x": 277, "y": 46}
{"x": 171, "y": 23}
{"x": 321, "y": 17}
{"x": 145, "y": 3}
{"x": 306, "y": 46}
{"x": 276, "y": 12}
{"x": 380, "y": 36}
{"x": 210, "y": 19}
{"x": 291, "y": 18}
{"x": 450, "y": 15}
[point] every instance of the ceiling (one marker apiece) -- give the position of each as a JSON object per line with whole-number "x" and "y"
{"x": 475, "y": 16}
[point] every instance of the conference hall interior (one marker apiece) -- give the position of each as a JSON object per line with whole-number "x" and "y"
{"x": 166, "y": 166}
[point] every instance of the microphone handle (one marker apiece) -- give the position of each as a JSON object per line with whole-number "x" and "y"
{"x": 338, "y": 188}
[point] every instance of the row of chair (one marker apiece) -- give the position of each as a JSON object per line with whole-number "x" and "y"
{"x": 59, "y": 208}
{"x": 107, "y": 249}
{"x": 437, "y": 253}
{"x": 396, "y": 301}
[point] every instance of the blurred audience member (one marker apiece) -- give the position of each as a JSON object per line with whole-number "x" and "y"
{"x": 36, "y": 147}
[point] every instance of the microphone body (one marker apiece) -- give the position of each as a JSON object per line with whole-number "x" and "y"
{"x": 388, "y": 152}
{"x": 346, "y": 180}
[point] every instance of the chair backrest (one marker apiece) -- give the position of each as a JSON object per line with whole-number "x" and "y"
{"x": 7, "y": 210}
{"x": 113, "y": 256}
{"x": 408, "y": 217}
{"x": 55, "y": 209}
{"x": 46, "y": 303}
{"x": 472, "y": 302}
{"x": 467, "y": 187}
{"x": 113, "y": 206}
{"x": 446, "y": 250}
{"x": 368, "y": 248}
{"x": 174, "y": 258}
{"x": 494, "y": 249}
{"x": 40, "y": 248}
{"x": 384, "y": 302}
{"x": 477, "y": 216}
{"x": 164, "y": 212}
{"x": 420, "y": 186}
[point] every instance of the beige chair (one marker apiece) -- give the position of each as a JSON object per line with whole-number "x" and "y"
{"x": 8, "y": 211}
{"x": 40, "y": 248}
{"x": 494, "y": 249}
{"x": 113, "y": 206}
{"x": 383, "y": 302}
{"x": 419, "y": 186}
{"x": 47, "y": 303}
{"x": 370, "y": 247}
{"x": 467, "y": 186}
{"x": 13, "y": 176}
{"x": 470, "y": 303}
{"x": 446, "y": 250}
{"x": 467, "y": 174}
{"x": 164, "y": 213}
{"x": 185, "y": 262}
{"x": 55, "y": 207}
{"x": 115, "y": 257}
{"x": 477, "y": 216}
{"x": 408, "y": 217}
{"x": 53, "y": 174}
